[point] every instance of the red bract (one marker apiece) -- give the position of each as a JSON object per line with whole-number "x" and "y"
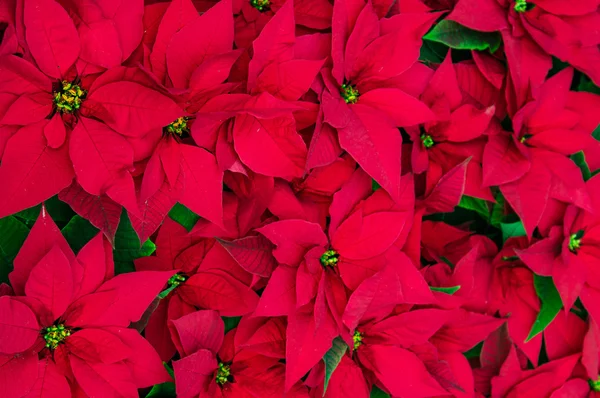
{"x": 546, "y": 130}
{"x": 547, "y": 380}
{"x": 365, "y": 95}
{"x": 571, "y": 255}
{"x": 255, "y": 14}
{"x": 207, "y": 277}
{"x": 233, "y": 366}
{"x": 456, "y": 133}
{"x": 359, "y": 253}
{"x": 70, "y": 317}
{"x": 233, "y": 125}
{"x": 532, "y": 32}
{"x": 81, "y": 124}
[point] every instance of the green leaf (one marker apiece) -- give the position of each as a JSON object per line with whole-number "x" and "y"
{"x": 596, "y": 132}
{"x": 231, "y": 322}
{"x": 510, "y": 230}
{"x": 557, "y": 66}
{"x": 477, "y": 205}
{"x": 169, "y": 370}
{"x": 448, "y": 290}
{"x": 184, "y": 216}
{"x": 377, "y": 393}
{"x": 12, "y": 235}
{"x": 29, "y": 215}
{"x": 456, "y": 36}
{"x": 585, "y": 84}
{"x": 432, "y": 52}
{"x": 127, "y": 246}
{"x": 332, "y": 358}
{"x": 497, "y": 210}
{"x": 58, "y": 210}
{"x": 165, "y": 389}
{"x": 474, "y": 352}
{"x": 78, "y": 232}
{"x": 551, "y": 304}
{"x": 579, "y": 159}
{"x": 375, "y": 185}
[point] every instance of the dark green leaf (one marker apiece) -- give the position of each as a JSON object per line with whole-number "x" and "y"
{"x": 432, "y": 52}
{"x": 477, "y": 205}
{"x": 585, "y": 84}
{"x": 510, "y": 230}
{"x": 165, "y": 389}
{"x": 78, "y": 232}
{"x": 557, "y": 66}
{"x": 29, "y": 215}
{"x": 447, "y": 290}
{"x": 60, "y": 212}
{"x": 375, "y": 185}
{"x": 474, "y": 352}
{"x": 579, "y": 159}
{"x": 332, "y": 359}
{"x": 184, "y": 216}
{"x": 127, "y": 246}
{"x": 596, "y": 132}
{"x": 231, "y": 322}
{"x": 497, "y": 210}
{"x": 377, "y": 393}
{"x": 169, "y": 369}
{"x": 12, "y": 235}
{"x": 454, "y": 35}
{"x": 551, "y": 304}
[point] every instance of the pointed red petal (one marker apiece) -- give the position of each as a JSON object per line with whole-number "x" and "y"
{"x": 51, "y": 282}
{"x": 43, "y": 236}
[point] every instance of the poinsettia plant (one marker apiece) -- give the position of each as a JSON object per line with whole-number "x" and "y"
{"x": 299, "y": 198}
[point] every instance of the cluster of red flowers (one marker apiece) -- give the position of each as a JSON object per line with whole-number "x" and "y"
{"x": 336, "y": 198}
